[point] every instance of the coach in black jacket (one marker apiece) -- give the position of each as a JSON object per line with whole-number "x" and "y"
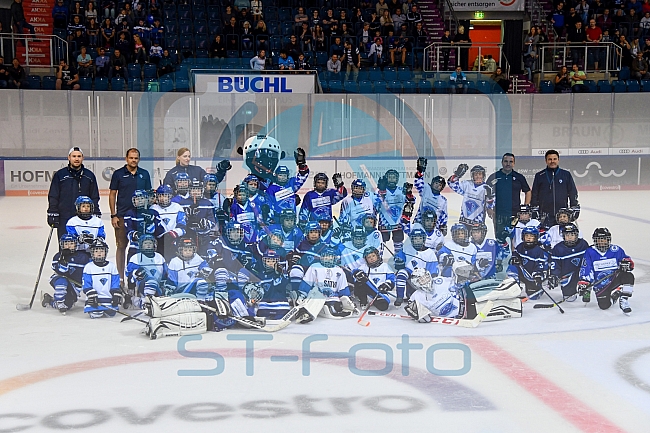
{"x": 67, "y": 184}
{"x": 553, "y": 189}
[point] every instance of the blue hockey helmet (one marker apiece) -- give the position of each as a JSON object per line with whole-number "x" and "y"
{"x": 526, "y": 233}
{"x": 477, "y": 232}
{"x": 141, "y": 199}
{"x": 210, "y": 183}
{"x": 275, "y": 239}
{"x": 372, "y": 257}
{"x": 164, "y": 194}
{"x": 68, "y": 242}
{"x": 359, "y": 237}
{"x": 288, "y": 219}
{"x": 270, "y": 259}
{"x": 234, "y": 232}
{"x": 460, "y": 234}
{"x": 85, "y": 212}
{"x": 358, "y": 188}
{"x": 392, "y": 177}
{"x": 418, "y": 238}
{"x": 329, "y": 257}
{"x": 570, "y": 234}
{"x": 312, "y": 227}
{"x": 429, "y": 219}
{"x": 282, "y": 174}
{"x": 602, "y": 238}
{"x": 147, "y": 245}
{"x": 438, "y": 183}
{"x": 320, "y": 177}
{"x": 182, "y": 181}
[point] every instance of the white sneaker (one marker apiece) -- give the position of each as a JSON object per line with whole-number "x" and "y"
{"x": 624, "y": 303}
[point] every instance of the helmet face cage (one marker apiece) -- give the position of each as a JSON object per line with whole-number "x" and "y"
{"x": 140, "y": 200}
{"x": 392, "y": 177}
{"x": 429, "y": 220}
{"x": 563, "y": 216}
{"x": 372, "y": 257}
{"x": 84, "y": 206}
{"x": 478, "y": 174}
{"x": 313, "y": 234}
{"x": 270, "y": 261}
{"x": 418, "y": 238}
{"x": 421, "y": 279}
{"x": 235, "y": 233}
{"x": 602, "y": 239}
{"x": 358, "y": 188}
{"x": 570, "y": 235}
{"x": 524, "y": 214}
{"x": 182, "y": 182}
{"x": 163, "y": 199}
{"x": 98, "y": 251}
{"x": 196, "y": 190}
{"x": 462, "y": 271}
{"x": 147, "y": 244}
{"x": 325, "y": 225}
{"x": 460, "y": 234}
{"x": 529, "y": 236}
{"x": 438, "y": 183}
{"x": 369, "y": 221}
{"x": 210, "y": 184}
{"x": 288, "y": 219}
{"x": 320, "y": 182}
{"x": 358, "y": 237}
{"x": 68, "y": 242}
{"x": 478, "y": 233}
{"x": 186, "y": 249}
{"x": 241, "y": 194}
{"x": 275, "y": 239}
{"x": 329, "y": 258}
{"x": 281, "y": 175}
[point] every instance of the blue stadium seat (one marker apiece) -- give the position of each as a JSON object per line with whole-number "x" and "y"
{"x": 101, "y": 84}
{"x": 441, "y": 86}
{"x": 633, "y": 86}
{"x": 214, "y": 28}
{"x": 202, "y": 56}
{"x": 200, "y": 26}
{"x": 591, "y": 85}
{"x": 49, "y": 82}
{"x": 604, "y": 86}
{"x": 270, "y": 13}
{"x": 171, "y": 42}
{"x": 171, "y": 26}
{"x": 199, "y": 12}
{"x": 351, "y": 86}
{"x": 214, "y": 13}
{"x": 34, "y": 81}
{"x": 201, "y": 41}
{"x": 166, "y": 84}
{"x": 325, "y": 86}
{"x": 365, "y": 86}
{"x": 185, "y": 27}
{"x": 410, "y": 86}
{"x": 624, "y": 74}
{"x": 117, "y": 84}
{"x": 285, "y": 14}
{"x": 484, "y": 86}
{"x": 381, "y": 86}
{"x": 182, "y": 85}
{"x": 362, "y": 75}
{"x": 404, "y": 73}
{"x": 150, "y": 71}
{"x": 645, "y": 85}
{"x": 546, "y": 86}
{"x": 395, "y": 86}
{"x": 273, "y": 27}
{"x": 390, "y": 73}
{"x": 184, "y": 11}
{"x": 247, "y": 54}
{"x": 619, "y": 86}
{"x": 134, "y": 70}
{"x": 336, "y": 86}
{"x": 134, "y": 84}
{"x": 321, "y": 58}
{"x": 85, "y": 83}
{"x": 375, "y": 74}
{"x": 170, "y": 12}
{"x": 425, "y": 86}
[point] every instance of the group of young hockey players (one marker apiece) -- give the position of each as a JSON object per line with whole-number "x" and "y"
{"x": 199, "y": 261}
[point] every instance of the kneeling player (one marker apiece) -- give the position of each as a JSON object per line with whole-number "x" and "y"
{"x": 566, "y": 259}
{"x": 275, "y": 285}
{"x": 187, "y": 271}
{"x": 145, "y": 272}
{"x": 529, "y": 262}
{"x": 609, "y": 269}
{"x": 373, "y": 280}
{"x": 101, "y": 283}
{"x": 68, "y": 265}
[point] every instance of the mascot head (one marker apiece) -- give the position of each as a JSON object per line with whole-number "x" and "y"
{"x": 262, "y": 155}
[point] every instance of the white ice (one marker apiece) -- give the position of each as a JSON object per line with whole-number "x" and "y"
{"x": 101, "y": 375}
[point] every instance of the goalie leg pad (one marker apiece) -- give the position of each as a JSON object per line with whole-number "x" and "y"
{"x": 489, "y": 290}
{"x": 169, "y": 306}
{"x": 502, "y": 309}
{"x": 176, "y": 325}
{"x": 418, "y": 311}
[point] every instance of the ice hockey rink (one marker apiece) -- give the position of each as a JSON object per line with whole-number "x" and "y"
{"x": 583, "y": 371}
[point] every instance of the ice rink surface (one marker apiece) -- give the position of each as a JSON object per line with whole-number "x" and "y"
{"x": 584, "y": 371}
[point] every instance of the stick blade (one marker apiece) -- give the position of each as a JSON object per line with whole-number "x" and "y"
{"x": 23, "y": 307}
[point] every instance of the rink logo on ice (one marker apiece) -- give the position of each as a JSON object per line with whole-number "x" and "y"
{"x": 356, "y": 364}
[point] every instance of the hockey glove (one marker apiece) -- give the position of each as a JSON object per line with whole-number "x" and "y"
{"x": 447, "y": 260}
{"x": 221, "y": 215}
{"x": 461, "y": 170}
{"x": 224, "y": 165}
{"x": 382, "y": 184}
{"x": 221, "y": 307}
{"x": 443, "y": 230}
{"x": 135, "y": 236}
{"x": 408, "y": 192}
{"x": 298, "y": 200}
{"x": 583, "y": 287}
{"x": 118, "y": 298}
{"x": 515, "y": 260}
{"x": 360, "y": 276}
{"x": 204, "y": 224}
{"x": 86, "y": 238}
{"x": 337, "y": 179}
{"x": 534, "y": 212}
{"x": 407, "y": 212}
{"x": 499, "y": 266}
{"x": 92, "y": 298}
{"x": 172, "y": 234}
{"x": 553, "y": 281}
{"x": 140, "y": 274}
{"x": 626, "y": 265}
{"x": 295, "y": 258}
{"x": 399, "y": 263}
{"x": 575, "y": 212}
{"x": 483, "y": 262}
{"x": 386, "y": 287}
{"x": 421, "y": 165}
{"x": 538, "y": 277}
{"x": 205, "y": 272}
{"x": 253, "y": 291}
{"x": 53, "y": 220}
{"x": 62, "y": 266}
{"x": 300, "y": 157}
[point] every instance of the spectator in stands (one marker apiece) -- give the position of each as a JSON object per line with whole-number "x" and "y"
{"x": 376, "y": 52}
{"x": 241, "y": 4}
{"x": 231, "y": 28}
{"x": 386, "y": 22}
{"x": 398, "y": 19}
{"x": 583, "y": 11}
{"x": 218, "y": 48}
{"x": 90, "y": 12}
{"x": 318, "y": 36}
{"x": 577, "y": 37}
{"x": 636, "y": 6}
{"x": 645, "y": 23}
{"x": 143, "y": 30}
{"x": 261, "y": 36}
{"x": 605, "y": 20}
{"x": 67, "y": 77}
{"x": 286, "y": 63}
{"x": 620, "y": 19}
{"x": 572, "y": 18}
{"x": 334, "y": 64}
{"x": 364, "y": 38}
{"x": 562, "y": 82}
{"x": 380, "y": 7}
{"x": 357, "y": 16}
{"x": 157, "y": 32}
{"x": 5, "y": 78}
{"x": 530, "y": 54}
{"x": 458, "y": 81}
{"x": 302, "y": 64}
{"x": 60, "y": 15}
{"x": 343, "y": 18}
{"x": 351, "y": 59}
{"x": 258, "y": 62}
{"x": 479, "y": 63}
{"x": 315, "y": 18}
{"x": 305, "y": 38}
{"x": 577, "y": 79}
{"x": 632, "y": 23}
{"x": 329, "y": 19}
{"x": 109, "y": 8}
{"x": 594, "y": 37}
{"x": 246, "y": 37}
{"x": 108, "y": 33}
{"x": 257, "y": 9}
{"x": 490, "y": 64}
{"x": 646, "y": 49}
{"x": 121, "y": 16}
{"x": 18, "y": 16}
{"x": 542, "y": 37}
{"x": 93, "y": 32}
{"x": 155, "y": 53}
{"x": 18, "y": 76}
{"x": 393, "y": 5}
{"x": 232, "y": 35}
{"x": 407, "y": 5}
{"x": 102, "y": 63}
{"x": 645, "y": 7}
{"x": 75, "y": 25}
{"x": 85, "y": 63}
{"x": 345, "y": 30}
{"x": 79, "y": 40}
{"x": 640, "y": 67}
{"x": 419, "y": 36}
{"x": 118, "y": 66}
{"x": 625, "y": 51}
{"x": 463, "y": 41}
{"x": 300, "y": 17}
{"x": 77, "y": 10}
{"x": 123, "y": 44}
{"x": 293, "y": 48}
{"x": 336, "y": 47}
{"x": 446, "y": 41}
{"x": 166, "y": 64}
{"x": 501, "y": 79}
{"x": 228, "y": 14}
{"x": 139, "y": 53}
{"x": 413, "y": 17}
{"x": 557, "y": 18}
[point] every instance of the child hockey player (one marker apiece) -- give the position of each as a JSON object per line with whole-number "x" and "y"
{"x": 218, "y": 200}
{"x": 244, "y": 213}
{"x": 292, "y": 235}
{"x": 182, "y": 185}
{"x": 282, "y": 191}
{"x": 553, "y": 236}
{"x": 68, "y": 265}
{"x": 435, "y": 238}
{"x": 609, "y": 269}
{"x": 200, "y": 216}
{"x": 186, "y": 270}
{"x": 457, "y": 249}
{"x": 389, "y": 202}
{"x": 477, "y": 195}
{"x": 529, "y": 262}
{"x": 407, "y": 261}
{"x": 566, "y": 260}
{"x": 357, "y": 205}
{"x": 171, "y": 222}
{"x": 101, "y": 283}
{"x": 85, "y": 226}
{"x": 430, "y": 197}
{"x": 353, "y": 250}
{"x": 488, "y": 253}
{"x": 317, "y": 203}
{"x": 373, "y": 279}
{"x": 275, "y": 287}
{"x": 146, "y": 272}
{"x": 524, "y": 219}
{"x": 141, "y": 220}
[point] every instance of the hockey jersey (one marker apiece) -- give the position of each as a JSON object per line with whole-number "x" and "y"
{"x": 331, "y": 282}
{"x": 78, "y": 227}
{"x": 596, "y": 265}
{"x": 475, "y": 199}
{"x": 428, "y": 199}
{"x": 171, "y": 218}
{"x": 284, "y": 196}
{"x": 441, "y": 300}
{"x": 317, "y": 206}
{"x": 566, "y": 261}
{"x": 155, "y": 267}
{"x": 491, "y": 251}
{"x": 104, "y": 279}
{"x": 459, "y": 253}
{"x": 389, "y": 207}
{"x": 353, "y": 210}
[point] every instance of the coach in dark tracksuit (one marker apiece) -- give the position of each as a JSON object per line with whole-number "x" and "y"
{"x": 553, "y": 189}
{"x": 67, "y": 184}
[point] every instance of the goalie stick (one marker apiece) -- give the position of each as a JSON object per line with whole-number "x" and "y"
{"x": 463, "y": 323}
{"x": 538, "y": 306}
{"x": 24, "y": 307}
{"x": 146, "y": 322}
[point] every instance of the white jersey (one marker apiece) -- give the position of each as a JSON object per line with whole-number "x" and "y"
{"x": 171, "y": 217}
{"x": 426, "y": 259}
{"x": 434, "y": 237}
{"x": 181, "y": 272}
{"x": 374, "y": 240}
{"x": 475, "y": 199}
{"x": 93, "y": 226}
{"x": 351, "y": 257}
{"x": 353, "y": 210}
{"x": 104, "y": 280}
{"x": 553, "y": 236}
{"x": 516, "y": 232}
{"x": 428, "y": 199}
{"x": 155, "y": 267}
{"x": 379, "y": 274}
{"x": 329, "y": 281}
{"x": 441, "y": 300}
{"x": 390, "y": 208}
{"x": 459, "y": 253}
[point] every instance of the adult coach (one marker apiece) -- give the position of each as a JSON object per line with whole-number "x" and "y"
{"x": 508, "y": 186}
{"x": 554, "y": 189}
{"x": 183, "y": 157}
{"x": 67, "y": 184}
{"x": 124, "y": 182}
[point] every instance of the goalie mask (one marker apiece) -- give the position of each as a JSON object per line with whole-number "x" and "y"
{"x": 429, "y": 219}
{"x": 288, "y": 219}
{"x": 563, "y": 216}
{"x": 421, "y": 279}
{"x": 210, "y": 184}
{"x": 196, "y": 190}
{"x": 262, "y": 155}
{"x": 164, "y": 196}
{"x": 68, "y": 243}
{"x": 313, "y": 232}
{"x": 270, "y": 260}
{"x": 235, "y": 233}
{"x": 372, "y": 257}
{"x": 147, "y": 245}
{"x": 182, "y": 181}
{"x": 602, "y": 239}
{"x": 254, "y": 292}
{"x": 359, "y": 237}
{"x": 141, "y": 199}
{"x": 418, "y": 238}
{"x": 462, "y": 271}
{"x": 530, "y": 236}
{"x": 524, "y": 213}
{"x": 98, "y": 252}
{"x": 438, "y": 183}
{"x": 186, "y": 249}
{"x": 358, "y": 188}
{"x": 570, "y": 234}
{"x": 460, "y": 234}
{"x": 392, "y": 177}
{"x": 320, "y": 182}
{"x": 282, "y": 174}
{"x": 478, "y": 174}
{"x": 478, "y": 232}
{"x": 85, "y": 207}
{"x": 329, "y": 258}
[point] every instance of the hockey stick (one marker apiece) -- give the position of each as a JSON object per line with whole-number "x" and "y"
{"x": 463, "y": 323}
{"x": 555, "y": 304}
{"x": 24, "y": 307}
{"x": 537, "y": 306}
{"x": 146, "y": 322}
{"x": 365, "y": 311}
